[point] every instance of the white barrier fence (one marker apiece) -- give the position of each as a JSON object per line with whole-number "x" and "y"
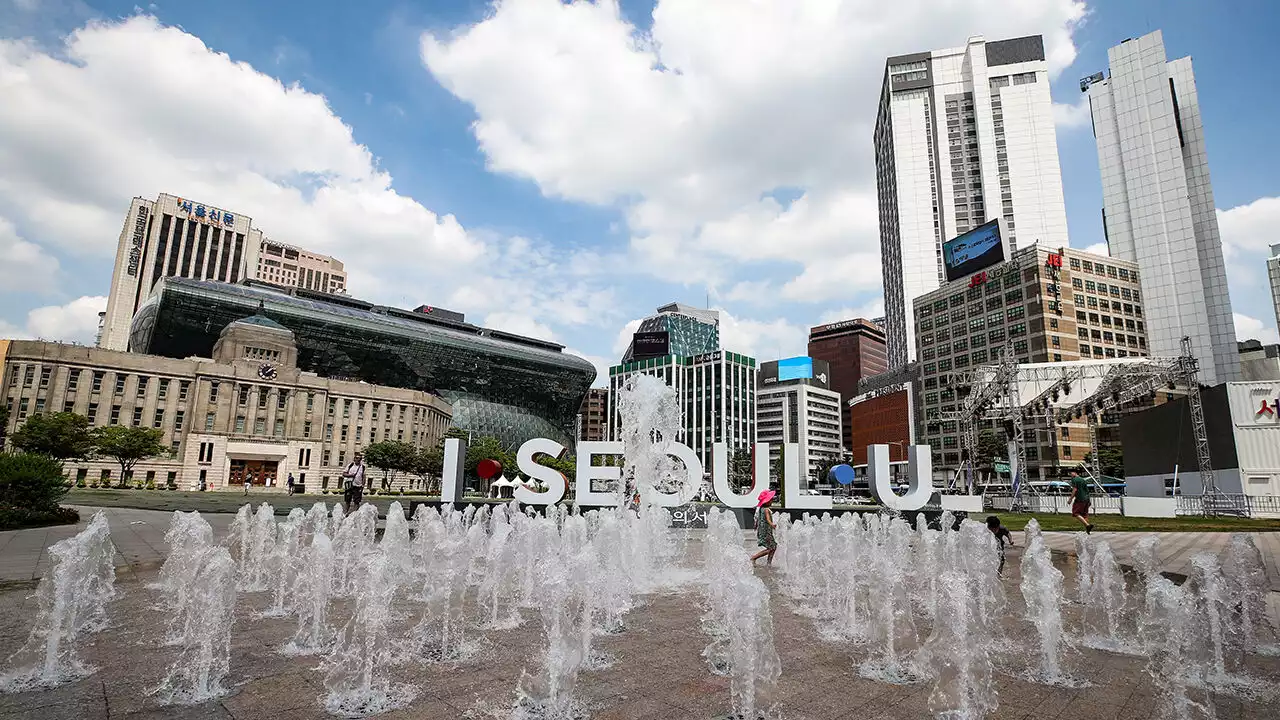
{"x": 1253, "y": 506}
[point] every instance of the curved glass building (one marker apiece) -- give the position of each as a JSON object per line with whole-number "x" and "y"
{"x": 511, "y": 387}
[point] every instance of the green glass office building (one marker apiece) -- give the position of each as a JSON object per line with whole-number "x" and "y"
{"x": 511, "y": 387}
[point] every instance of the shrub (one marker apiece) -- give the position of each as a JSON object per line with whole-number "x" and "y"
{"x": 16, "y": 518}
{"x": 80, "y": 483}
{"x": 30, "y": 485}
{"x": 94, "y": 484}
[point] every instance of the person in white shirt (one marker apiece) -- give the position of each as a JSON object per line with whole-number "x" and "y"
{"x": 354, "y": 475}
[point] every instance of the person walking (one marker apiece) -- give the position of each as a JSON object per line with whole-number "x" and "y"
{"x": 248, "y": 481}
{"x": 290, "y": 483}
{"x": 1080, "y": 499}
{"x": 765, "y": 527}
{"x": 354, "y": 475}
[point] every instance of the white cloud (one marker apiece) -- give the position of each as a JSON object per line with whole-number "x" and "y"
{"x": 76, "y": 321}
{"x": 1248, "y": 328}
{"x": 1250, "y": 228}
{"x": 762, "y": 339}
{"x": 870, "y": 311}
{"x": 689, "y": 126}
{"x": 1099, "y": 249}
{"x": 26, "y": 267}
{"x": 623, "y": 339}
{"x": 1069, "y": 116}
{"x": 513, "y": 322}
{"x": 290, "y": 163}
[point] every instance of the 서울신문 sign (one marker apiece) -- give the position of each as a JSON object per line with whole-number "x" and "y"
{"x": 208, "y": 215}
{"x": 139, "y": 234}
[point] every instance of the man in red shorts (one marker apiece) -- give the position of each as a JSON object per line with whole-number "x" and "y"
{"x": 1080, "y": 499}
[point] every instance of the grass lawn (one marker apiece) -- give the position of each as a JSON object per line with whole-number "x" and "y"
{"x": 1120, "y": 523}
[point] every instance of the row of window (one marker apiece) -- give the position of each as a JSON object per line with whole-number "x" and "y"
{"x": 27, "y": 373}
{"x": 1101, "y": 269}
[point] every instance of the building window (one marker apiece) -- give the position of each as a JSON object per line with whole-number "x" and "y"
{"x": 281, "y": 399}
{"x": 93, "y": 413}
{"x": 311, "y": 401}
{"x": 184, "y": 387}
{"x": 213, "y": 392}
{"x": 240, "y": 424}
{"x": 306, "y": 429}
{"x": 163, "y": 391}
{"x": 262, "y": 398}
{"x": 346, "y": 408}
{"x": 209, "y": 420}
{"x": 324, "y": 457}
{"x": 342, "y": 457}
{"x": 244, "y": 395}
{"x": 344, "y": 433}
{"x": 359, "y": 434}
{"x": 39, "y": 405}
{"x": 260, "y": 426}
{"x": 115, "y": 414}
{"x": 29, "y": 377}
{"x": 328, "y": 431}
{"x": 137, "y": 417}
{"x": 158, "y": 420}
{"x": 97, "y": 380}
{"x": 178, "y": 419}
{"x": 142, "y": 386}
{"x": 280, "y": 427}
{"x": 332, "y": 404}
{"x": 119, "y": 384}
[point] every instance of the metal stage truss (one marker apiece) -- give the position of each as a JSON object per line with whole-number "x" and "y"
{"x": 1016, "y": 395}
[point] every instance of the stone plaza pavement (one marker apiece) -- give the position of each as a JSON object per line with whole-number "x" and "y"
{"x": 658, "y": 671}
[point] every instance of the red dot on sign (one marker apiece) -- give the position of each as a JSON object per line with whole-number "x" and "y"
{"x": 488, "y": 469}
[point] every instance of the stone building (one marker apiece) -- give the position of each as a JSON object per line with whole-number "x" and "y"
{"x": 246, "y": 412}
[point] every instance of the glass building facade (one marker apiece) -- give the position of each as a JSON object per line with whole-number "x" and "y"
{"x": 690, "y": 331}
{"x": 511, "y": 387}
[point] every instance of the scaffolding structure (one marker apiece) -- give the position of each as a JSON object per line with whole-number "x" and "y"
{"x": 1063, "y": 391}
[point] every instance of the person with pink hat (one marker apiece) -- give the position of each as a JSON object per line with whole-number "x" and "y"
{"x": 765, "y": 527}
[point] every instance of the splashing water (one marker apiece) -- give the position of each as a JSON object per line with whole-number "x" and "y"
{"x": 957, "y": 653}
{"x": 285, "y": 562}
{"x": 190, "y": 539}
{"x": 651, "y": 421}
{"x": 312, "y": 589}
{"x": 72, "y": 600}
{"x": 1042, "y": 592}
{"x": 355, "y": 673}
{"x": 205, "y": 659}
{"x": 1166, "y": 629}
{"x": 1245, "y": 573}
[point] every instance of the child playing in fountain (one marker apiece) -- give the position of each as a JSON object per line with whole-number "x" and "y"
{"x": 1002, "y": 533}
{"x": 765, "y": 527}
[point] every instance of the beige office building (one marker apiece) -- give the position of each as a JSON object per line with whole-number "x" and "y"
{"x": 289, "y": 266}
{"x": 1046, "y": 305}
{"x": 174, "y": 236}
{"x": 247, "y": 412}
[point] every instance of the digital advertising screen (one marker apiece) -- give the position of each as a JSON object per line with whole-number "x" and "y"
{"x": 645, "y": 345}
{"x": 976, "y": 250}
{"x": 796, "y": 368}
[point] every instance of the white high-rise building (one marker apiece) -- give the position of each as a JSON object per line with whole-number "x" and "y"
{"x": 804, "y": 412}
{"x": 963, "y": 135}
{"x": 179, "y": 237}
{"x": 173, "y": 237}
{"x": 1158, "y": 208}
{"x": 1273, "y": 273}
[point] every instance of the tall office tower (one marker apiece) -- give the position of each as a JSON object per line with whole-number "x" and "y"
{"x": 1158, "y": 203}
{"x": 676, "y": 329}
{"x": 1273, "y": 272}
{"x": 593, "y": 417}
{"x": 173, "y": 237}
{"x": 796, "y": 405}
{"x": 853, "y": 349}
{"x": 963, "y": 135}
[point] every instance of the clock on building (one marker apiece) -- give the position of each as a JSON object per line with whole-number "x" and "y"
{"x": 267, "y": 371}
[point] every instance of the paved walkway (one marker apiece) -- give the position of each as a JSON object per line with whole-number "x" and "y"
{"x": 1177, "y": 549}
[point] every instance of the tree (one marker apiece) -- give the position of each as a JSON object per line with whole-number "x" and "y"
{"x": 991, "y": 447}
{"x": 740, "y": 468}
{"x": 486, "y": 447}
{"x": 61, "y": 436}
{"x": 391, "y": 456}
{"x": 128, "y": 445}
{"x": 4, "y": 422}
{"x": 825, "y": 461}
{"x": 31, "y": 482}
{"x": 1110, "y": 461}
{"x": 428, "y": 463}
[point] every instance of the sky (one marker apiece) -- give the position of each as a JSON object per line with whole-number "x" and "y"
{"x": 556, "y": 169}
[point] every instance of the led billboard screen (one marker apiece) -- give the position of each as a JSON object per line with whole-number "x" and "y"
{"x": 647, "y": 345}
{"x": 796, "y": 368}
{"x": 976, "y": 250}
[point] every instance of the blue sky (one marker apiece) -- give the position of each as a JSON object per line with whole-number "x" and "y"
{"x": 541, "y": 167}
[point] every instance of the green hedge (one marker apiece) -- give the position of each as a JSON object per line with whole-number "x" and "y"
{"x": 31, "y": 486}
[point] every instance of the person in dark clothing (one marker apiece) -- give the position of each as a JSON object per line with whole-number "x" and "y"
{"x": 1002, "y": 535}
{"x": 1080, "y": 500}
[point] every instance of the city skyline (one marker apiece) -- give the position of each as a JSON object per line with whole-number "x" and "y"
{"x": 421, "y": 183}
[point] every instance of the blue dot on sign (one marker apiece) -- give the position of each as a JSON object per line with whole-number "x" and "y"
{"x": 842, "y": 474}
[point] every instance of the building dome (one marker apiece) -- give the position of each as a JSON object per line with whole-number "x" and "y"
{"x": 260, "y": 321}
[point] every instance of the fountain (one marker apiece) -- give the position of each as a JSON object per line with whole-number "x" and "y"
{"x": 353, "y": 541}
{"x": 1166, "y": 630}
{"x": 72, "y": 599}
{"x": 1042, "y": 592}
{"x": 188, "y": 536}
{"x": 395, "y": 538}
{"x": 205, "y": 659}
{"x": 285, "y": 562}
{"x": 355, "y": 673}
{"x": 1106, "y": 602}
{"x": 1244, "y": 572}
{"x": 312, "y": 588}
{"x": 957, "y": 652}
{"x": 252, "y": 540}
